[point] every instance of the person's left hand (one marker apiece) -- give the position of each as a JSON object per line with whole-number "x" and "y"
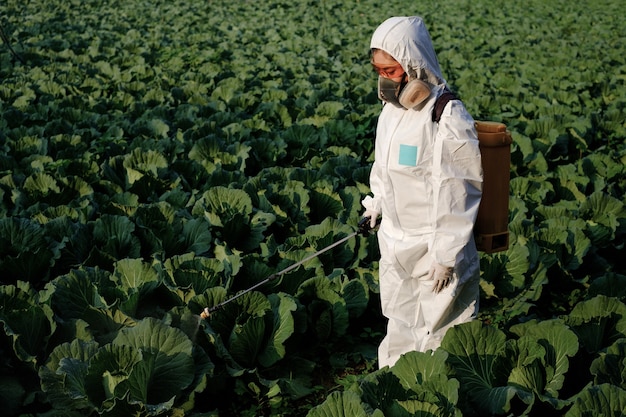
{"x": 441, "y": 276}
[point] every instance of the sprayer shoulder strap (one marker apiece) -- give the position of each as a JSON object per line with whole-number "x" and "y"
{"x": 441, "y": 103}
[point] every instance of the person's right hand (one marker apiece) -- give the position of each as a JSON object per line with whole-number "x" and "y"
{"x": 373, "y": 215}
{"x": 368, "y": 221}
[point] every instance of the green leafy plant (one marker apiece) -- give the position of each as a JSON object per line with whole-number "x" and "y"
{"x": 158, "y": 158}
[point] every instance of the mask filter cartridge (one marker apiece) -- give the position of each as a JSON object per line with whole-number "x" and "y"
{"x": 407, "y": 95}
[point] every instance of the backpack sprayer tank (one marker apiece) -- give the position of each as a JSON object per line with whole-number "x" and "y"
{"x": 491, "y": 229}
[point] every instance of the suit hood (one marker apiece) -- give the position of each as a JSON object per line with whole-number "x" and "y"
{"x": 407, "y": 40}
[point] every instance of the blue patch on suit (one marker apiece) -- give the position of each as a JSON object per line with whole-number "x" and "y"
{"x": 408, "y": 155}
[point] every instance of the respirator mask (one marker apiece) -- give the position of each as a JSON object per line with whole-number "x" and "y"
{"x": 403, "y": 94}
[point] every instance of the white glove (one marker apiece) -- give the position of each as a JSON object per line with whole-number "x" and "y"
{"x": 373, "y": 215}
{"x": 441, "y": 276}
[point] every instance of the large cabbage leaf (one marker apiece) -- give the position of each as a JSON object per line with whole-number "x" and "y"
{"x": 609, "y": 284}
{"x": 341, "y": 168}
{"x": 167, "y": 365}
{"x": 41, "y": 186}
{"x": 165, "y": 230}
{"x": 601, "y": 169}
{"x": 154, "y": 233}
{"x": 190, "y": 275}
{"x": 132, "y": 275}
{"x": 192, "y": 174}
{"x": 567, "y": 239}
{"x": 327, "y": 310}
{"x": 114, "y": 239}
{"x": 282, "y": 328}
{"x": 104, "y": 324}
{"x": 142, "y": 162}
{"x": 212, "y": 152}
{"x": 125, "y": 203}
{"x": 382, "y": 391}
{"x": 230, "y": 213}
{"x": 506, "y": 271}
{"x": 602, "y": 213}
{"x": 560, "y": 344}
{"x": 569, "y": 184}
{"x": 526, "y": 366}
{"x": 526, "y": 299}
{"x": 150, "y": 127}
{"x": 107, "y": 370}
{"x": 356, "y": 293}
{"x": 610, "y": 365}
{"x": 74, "y": 237}
{"x": 27, "y": 322}
{"x": 71, "y": 191}
{"x": 530, "y": 190}
{"x": 325, "y": 111}
{"x": 598, "y": 322}
{"x": 88, "y": 296}
{"x": 138, "y": 281}
{"x": 599, "y": 400}
{"x": 25, "y": 252}
{"x": 323, "y": 204}
{"x": 246, "y": 340}
{"x": 77, "y": 291}
{"x": 429, "y": 372}
{"x": 303, "y": 142}
{"x": 196, "y": 237}
{"x": 149, "y": 364}
{"x": 114, "y": 175}
{"x": 478, "y": 355}
{"x": 342, "y": 404}
{"x": 243, "y": 328}
{"x": 290, "y": 202}
{"x": 63, "y": 376}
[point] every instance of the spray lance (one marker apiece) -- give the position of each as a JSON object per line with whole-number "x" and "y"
{"x": 363, "y": 228}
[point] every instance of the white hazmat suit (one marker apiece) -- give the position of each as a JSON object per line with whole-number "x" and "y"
{"x": 426, "y": 182}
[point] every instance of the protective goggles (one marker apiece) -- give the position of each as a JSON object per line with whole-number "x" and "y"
{"x": 388, "y": 71}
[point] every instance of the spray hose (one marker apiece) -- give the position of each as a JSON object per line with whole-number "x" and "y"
{"x": 363, "y": 228}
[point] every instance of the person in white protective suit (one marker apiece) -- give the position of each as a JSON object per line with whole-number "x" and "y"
{"x": 426, "y": 183}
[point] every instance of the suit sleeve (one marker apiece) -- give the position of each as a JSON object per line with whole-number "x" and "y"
{"x": 456, "y": 182}
{"x": 373, "y": 202}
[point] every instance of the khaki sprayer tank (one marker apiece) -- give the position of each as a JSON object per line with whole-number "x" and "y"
{"x": 491, "y": 230}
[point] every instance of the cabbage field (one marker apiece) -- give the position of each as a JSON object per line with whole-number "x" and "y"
{"x": 159, "y": 157}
